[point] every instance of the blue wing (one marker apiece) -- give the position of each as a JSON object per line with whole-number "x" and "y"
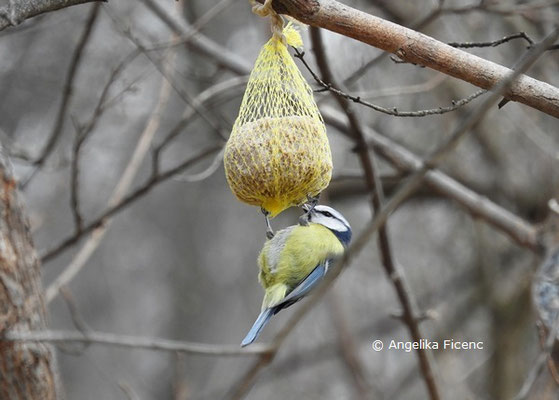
{"x": 300, "y": 291}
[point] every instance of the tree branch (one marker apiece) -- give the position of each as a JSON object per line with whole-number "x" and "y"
{"x": 27, "y": 371}
{"x": 417, "y": 48}
{"x": 16, "y": 12}
{"x": 138, "y": 342}
{"x": 69, "y": 86}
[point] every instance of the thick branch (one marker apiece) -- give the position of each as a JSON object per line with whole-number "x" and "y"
{"x": 16, "y": 12}
{"x": 26, "y": 369}
{"x": 417, "y": 48}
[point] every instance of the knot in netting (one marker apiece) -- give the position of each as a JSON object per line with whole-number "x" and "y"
{"x": 266, "y": 10}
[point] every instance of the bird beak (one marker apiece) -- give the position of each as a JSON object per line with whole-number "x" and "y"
{"x": 306, "y": 207}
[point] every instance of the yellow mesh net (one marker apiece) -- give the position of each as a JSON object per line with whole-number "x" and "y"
{"x": 278, "y": 152}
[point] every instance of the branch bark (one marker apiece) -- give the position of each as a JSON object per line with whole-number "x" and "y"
{"x": 27, "y": 369}
{"x": 417, "y": 48}
{"x": 18, "y": 11}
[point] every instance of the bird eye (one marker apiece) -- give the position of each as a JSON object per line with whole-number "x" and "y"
{"x": 327, "y": 214}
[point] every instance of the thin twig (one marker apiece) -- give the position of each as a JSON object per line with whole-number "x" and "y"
{"x": 390, "y": 111}
{"x": 83, "y": 133}
{"x": 104, "y": 102}
{"x": 74, "y": 179}
{"x": 66, "y": 94}
{"x": 136, "y": 342}
{"x": 495, "y": 43}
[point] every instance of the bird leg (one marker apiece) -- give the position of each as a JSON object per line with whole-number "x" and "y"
{"x": 269, "y": 231}
{"x": 309, "y": 206}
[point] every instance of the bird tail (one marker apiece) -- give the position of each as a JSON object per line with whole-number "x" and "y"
{"x": 260, "y": 322}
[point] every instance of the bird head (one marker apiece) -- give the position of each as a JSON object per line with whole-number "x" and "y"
{"x": 331, "y": 219}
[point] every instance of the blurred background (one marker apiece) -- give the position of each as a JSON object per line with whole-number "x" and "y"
{"x": 91, "y": 91}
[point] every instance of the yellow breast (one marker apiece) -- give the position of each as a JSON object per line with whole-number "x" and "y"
{"x": 294, "y": 252}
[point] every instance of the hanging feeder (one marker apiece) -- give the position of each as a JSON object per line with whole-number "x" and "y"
{"x": 278, "y": 152}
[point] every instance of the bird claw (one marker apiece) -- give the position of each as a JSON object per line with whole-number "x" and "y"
{"x": 269, "y": 231}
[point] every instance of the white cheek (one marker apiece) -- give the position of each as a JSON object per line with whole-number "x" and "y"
{"x": 330, "y": 223}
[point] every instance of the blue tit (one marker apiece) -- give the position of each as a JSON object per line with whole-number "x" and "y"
{"x": 295, "y": 260}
